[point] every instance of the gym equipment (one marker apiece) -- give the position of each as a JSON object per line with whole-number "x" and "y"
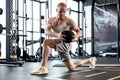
{"x": 0, "y": 48}
{"x": 68, "y": 36}
{"x": 31, "y": 42}
{"x": 1, "y": 28}
{"x": 24, "y": 29}
{"x": 14, "y": 35}
{"x": 1, "y": 11}
{"x": 13, "y": 32}
{"x": 79, "y": 12}
{"x": 42, "y": 31}
{"x": 14, "y": 58}
{"x": 69, "y": 9}
{"x": 42, "y": 17}
{"x": 38, "y": 54}
{"x": 79, "y": 51}
{"x": 39, "y": 1}
{"x": 27, "y": 18}
{"x": 18, "y": 51}
{"x": 86, "y": 40}
{"x": 40, "y": 26}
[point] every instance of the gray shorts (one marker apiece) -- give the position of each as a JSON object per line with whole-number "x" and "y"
{"x": 63, "y": 50}
{"x": 64, "y": 56}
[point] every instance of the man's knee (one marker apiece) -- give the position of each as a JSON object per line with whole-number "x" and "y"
{"x": 69, "y": 65}
{"x": 45, "y": 42}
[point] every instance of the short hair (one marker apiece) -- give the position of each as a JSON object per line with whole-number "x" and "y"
{"x": 62, "y": 5}
{"x": 69, "y": 35}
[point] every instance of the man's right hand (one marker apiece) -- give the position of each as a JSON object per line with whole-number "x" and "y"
{"x": 61, "y": 36}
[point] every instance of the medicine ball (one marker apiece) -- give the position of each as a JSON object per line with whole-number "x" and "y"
{"x": 69, "y": 35}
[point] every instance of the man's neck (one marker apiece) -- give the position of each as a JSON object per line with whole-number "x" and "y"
{"x": 61, "y": 18}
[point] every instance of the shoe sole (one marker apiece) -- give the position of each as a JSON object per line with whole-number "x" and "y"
{"x": 93, "y": 62}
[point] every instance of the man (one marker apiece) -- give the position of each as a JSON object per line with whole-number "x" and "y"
{"x": 55, "y": 26}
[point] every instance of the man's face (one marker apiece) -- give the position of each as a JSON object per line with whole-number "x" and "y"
{"x": 61, "y": 12}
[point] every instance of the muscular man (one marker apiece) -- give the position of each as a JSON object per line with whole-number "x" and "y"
{"x": 55, "y": 26}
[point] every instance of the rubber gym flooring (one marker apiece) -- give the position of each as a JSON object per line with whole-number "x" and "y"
{"x": 106, "y": 69}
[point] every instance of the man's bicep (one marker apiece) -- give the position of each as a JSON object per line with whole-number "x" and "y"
{"x": 47, "y": 29}
{"x": 48, "y": 26}
{"x": 74, "y": 26}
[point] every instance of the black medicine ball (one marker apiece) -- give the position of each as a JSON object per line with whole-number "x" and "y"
{"x": 69, "y": 35}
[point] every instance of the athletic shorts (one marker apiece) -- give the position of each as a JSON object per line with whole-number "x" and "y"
{"x": 64, "y": 56}
{"x": 63, "y": 50}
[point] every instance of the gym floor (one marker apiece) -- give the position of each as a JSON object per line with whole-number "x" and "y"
{"x": 106, "y": 69}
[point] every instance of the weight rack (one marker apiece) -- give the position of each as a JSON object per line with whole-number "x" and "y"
{"x": 9, "y": 40}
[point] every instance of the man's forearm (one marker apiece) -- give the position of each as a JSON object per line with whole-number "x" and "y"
{"x": 78, "y": 34}
{"x": 51, "y": 34}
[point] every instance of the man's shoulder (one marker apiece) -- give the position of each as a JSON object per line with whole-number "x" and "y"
{"x": 51, "y": 18}
{"x": 69, "y": 20}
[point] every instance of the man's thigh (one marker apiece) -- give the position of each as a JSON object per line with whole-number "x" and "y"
{"x": 52, "y": 42}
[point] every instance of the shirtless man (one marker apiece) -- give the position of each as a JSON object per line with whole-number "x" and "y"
{"x": 54, "y": 28}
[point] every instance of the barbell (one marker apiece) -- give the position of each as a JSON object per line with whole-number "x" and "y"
{"x": 2, "y": 28}
{"x": 12, "y": 34}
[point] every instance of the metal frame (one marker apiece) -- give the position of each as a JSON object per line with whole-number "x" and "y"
{"x": 24, "y": 29}
{"x": 9, "y": 10}
{"x": 118, "y": 7}
{"x": 92, "y": 14}
{"x": 9, "y": 41}
{"x": 83, "y": 28}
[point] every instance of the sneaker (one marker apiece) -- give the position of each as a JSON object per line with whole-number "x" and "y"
{"x": 40, "y": 70}
{"x": 92, "y": 62}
